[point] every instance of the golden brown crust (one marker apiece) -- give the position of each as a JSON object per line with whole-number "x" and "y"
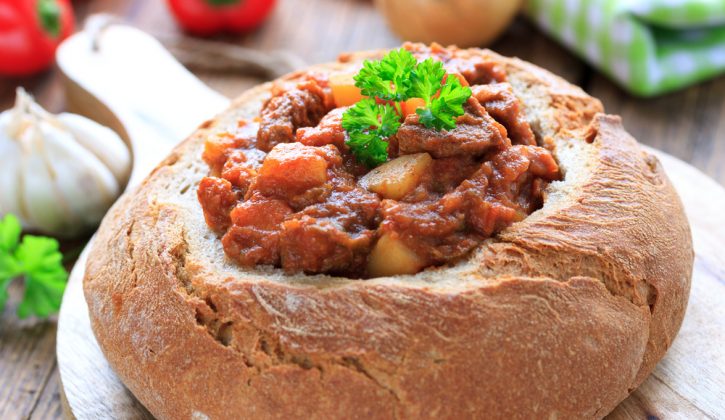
{"x": 560, "y": 316}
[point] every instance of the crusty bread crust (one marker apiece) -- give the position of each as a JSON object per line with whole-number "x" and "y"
{"x": 562, "y": 315}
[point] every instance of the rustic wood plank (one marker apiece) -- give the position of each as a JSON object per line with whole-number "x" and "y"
{"x": 316, "y": 37}
{"x": 655, "y": 400}
{"x": 27, "y": 359}
{"x": 689, "y": 124}
{"x": 298, "y": 26}
{"x": 49, "y": 405}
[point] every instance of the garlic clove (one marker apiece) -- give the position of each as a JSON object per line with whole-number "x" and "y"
{"x": 36, "y": 194}
{"x": 103, "y": 142}
{"x": 86, "y": 187}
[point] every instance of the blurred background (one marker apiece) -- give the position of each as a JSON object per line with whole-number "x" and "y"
{"x": 656, "y": 63}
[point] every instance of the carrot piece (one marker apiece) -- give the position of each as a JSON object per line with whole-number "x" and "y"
{"x": 410, "y": 105}
{"x": 344, "y": 90}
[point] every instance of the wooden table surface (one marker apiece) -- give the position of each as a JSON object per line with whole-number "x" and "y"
{"x": 689, "y": 125}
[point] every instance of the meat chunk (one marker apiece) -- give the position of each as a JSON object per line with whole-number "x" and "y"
{"x": 254, "y": 235}
{"x": 217, "y": 197}
{"x": 239, "y": 171}
{"x": 523, "y": 171}
{"x": 320, "y": 245}
{"x": 328, "y": 131}
{"x": 475, "y": 134}
{"x": 434, "y": 230}
{"x": 503, "y": 190}
{"x": 283, "y": 114}
{"x": 450, "y": 172}
{"x": 349, "y": 206}
{"x": 500, "y": 101}
{"x": 218, "y": 149}
{"x": 333, "y": 235}
{"x": 507, "y": 188}
{"x": 476, "y": 70}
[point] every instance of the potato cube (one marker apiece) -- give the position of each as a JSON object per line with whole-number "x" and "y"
{"x": 398, "y": 177}
{"x": 391, "y": 256}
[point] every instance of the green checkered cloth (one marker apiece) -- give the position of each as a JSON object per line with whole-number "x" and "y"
{"x": 647, "y": 46}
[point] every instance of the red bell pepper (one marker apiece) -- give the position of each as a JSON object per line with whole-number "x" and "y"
{"x": 30, "y": 31}
{"x": 209, "y": 17}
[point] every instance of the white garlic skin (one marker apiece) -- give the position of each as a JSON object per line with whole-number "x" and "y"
{"x": 58, "y": 174}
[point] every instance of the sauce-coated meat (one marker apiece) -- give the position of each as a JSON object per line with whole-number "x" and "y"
{"x": 283, "y": 114}
{"x": 328, "y": 131}
{"x": 475, "y": 133}
{"x": 500, "y": 102}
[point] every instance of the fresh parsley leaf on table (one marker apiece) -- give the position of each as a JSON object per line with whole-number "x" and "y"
{"x": 38, "y": 261}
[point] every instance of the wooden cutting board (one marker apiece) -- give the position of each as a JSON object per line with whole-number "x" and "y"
{"x": 688, "y": 383}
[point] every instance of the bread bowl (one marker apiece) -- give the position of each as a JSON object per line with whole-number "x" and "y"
{"x": 558, "y": 315}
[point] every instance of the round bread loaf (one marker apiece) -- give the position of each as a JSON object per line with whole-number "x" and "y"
{"x": 560, "y": 315}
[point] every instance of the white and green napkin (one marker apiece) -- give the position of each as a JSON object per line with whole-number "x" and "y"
{"x": 648, "y": 46}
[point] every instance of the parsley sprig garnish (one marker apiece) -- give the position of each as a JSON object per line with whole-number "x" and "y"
{"x": 367, "y": 124}
{"x": 440, "y": 110}
{"x": 388, "y": 78}
{"x": 394, "y": 78}
{"x": 38, "y": 261}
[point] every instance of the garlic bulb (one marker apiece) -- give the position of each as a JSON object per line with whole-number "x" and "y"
{"x": 58, "y": 173}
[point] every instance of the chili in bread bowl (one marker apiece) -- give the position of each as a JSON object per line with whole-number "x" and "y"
{"x": 559, "y": 312}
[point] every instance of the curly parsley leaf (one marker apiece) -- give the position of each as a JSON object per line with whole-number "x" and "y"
{"x": 39, "y": 261}
{"x": 388, "y": 78}
{"x": 426, "y": 79}
{"x": 9, "y": 233}
{"x": 369, "y": 124}
{"x": 442, "y": 110}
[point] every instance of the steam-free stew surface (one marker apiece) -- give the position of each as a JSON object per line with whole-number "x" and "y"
{"x": 285, "y": 190}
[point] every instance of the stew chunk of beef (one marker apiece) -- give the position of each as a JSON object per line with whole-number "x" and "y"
{"x": 500, "y": 102}
{"x": 328, "y": 131}
{"x": 476, "y": 132}
{"x": 282, "y": 115}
